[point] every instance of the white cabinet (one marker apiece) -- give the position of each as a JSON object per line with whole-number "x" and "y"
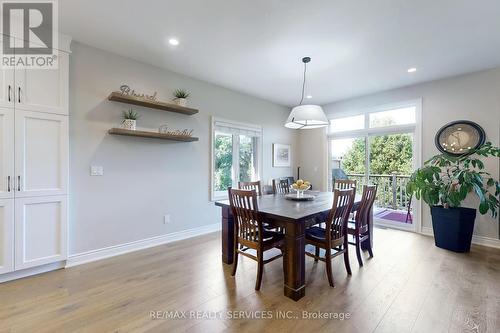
{"x": 6, "y": 236}
{"x": 43, "y": 89}
{"x": 41, "y": 154}
{"x": 34, "y": 154}
{"x": 6, "y": 87}
{"x": 41, "y": 228}
{"x": 6, "y": 153}
{"x": 6, "y": 83}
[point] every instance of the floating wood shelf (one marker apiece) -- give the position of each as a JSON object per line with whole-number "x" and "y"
{"x": 119, "y": 97}
{"x": 154, "y": 135}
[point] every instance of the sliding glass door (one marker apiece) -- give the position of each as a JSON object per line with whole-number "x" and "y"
{"x": 390, "y": 166}
{"x": 382, "y": 152}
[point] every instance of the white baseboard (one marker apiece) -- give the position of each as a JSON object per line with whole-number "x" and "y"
{"x": 478, "y": 240}
{"x": 111, "y": 251}
{"x": 31, "y": 271}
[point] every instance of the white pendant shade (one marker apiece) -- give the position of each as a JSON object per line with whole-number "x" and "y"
{"x": 306, "y": 117}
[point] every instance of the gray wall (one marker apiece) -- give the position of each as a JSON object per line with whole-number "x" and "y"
{"x": 145, "y": 179}
{"x": 474, "y": 97}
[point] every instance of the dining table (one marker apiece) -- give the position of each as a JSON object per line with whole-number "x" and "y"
{"x": 294, "y": 217}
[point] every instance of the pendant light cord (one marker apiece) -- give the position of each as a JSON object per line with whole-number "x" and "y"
{"x": 303, "y": 84}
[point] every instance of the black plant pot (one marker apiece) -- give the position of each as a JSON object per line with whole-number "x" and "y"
{"x": 453, "y": 227}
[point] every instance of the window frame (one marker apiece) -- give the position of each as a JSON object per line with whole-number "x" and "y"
{"x": 221, "y": 195}
{"x": 367, "y": 132}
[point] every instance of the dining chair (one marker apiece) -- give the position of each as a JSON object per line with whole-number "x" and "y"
{"x": 251, "y": 186}
{"x": 333, "y": 239}
{"x": 281, "y": 186}
{"x": 344, "y": 184}
{"x": 359, "y": 227}
{"x": 250, "y": 233}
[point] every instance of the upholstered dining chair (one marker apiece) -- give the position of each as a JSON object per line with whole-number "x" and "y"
{"x": 333, "y": 239}
{"x": 251, "y": 186}
{"x": 281, "y": 186}
{"x": 344, "y": 184}
{"x": 359, "y": 227}
{"x": 249, "y": 232}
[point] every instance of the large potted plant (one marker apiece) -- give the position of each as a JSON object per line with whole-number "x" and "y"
{"x": 444, "y": 182}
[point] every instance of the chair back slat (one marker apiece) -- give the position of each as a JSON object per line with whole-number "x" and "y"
{"x": 367, "y": 200}
{"x": 255, "y": 186}
{"x": 281, "y": 186}
{"x": 344, "y": 184}
{"x": 248, "y": 225}
{"x": 336, "y": 222}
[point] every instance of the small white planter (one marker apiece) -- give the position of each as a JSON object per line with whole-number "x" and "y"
{"x": 180, "y": 101}
{"x": 129, "y": 124}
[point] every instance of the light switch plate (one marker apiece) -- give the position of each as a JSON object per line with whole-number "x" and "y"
{"x": 96, "y": 170}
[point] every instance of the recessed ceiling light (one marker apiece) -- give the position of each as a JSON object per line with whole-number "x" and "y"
{"x": 412, "y": 70}
{"x": 173, "y": 41}
{"x": 309, "y": 96}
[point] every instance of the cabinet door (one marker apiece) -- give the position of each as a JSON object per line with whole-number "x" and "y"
{"x": 43, "y": 90}
{"x": 41, "y": 231}
{"x": 7, "y": 85}
{"x": 6, "y": 236}
{"x": 41, "y": 143}
{"x": 6, "y": 153}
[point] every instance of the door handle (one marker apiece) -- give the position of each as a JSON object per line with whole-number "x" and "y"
{"x": 10, "y": 89}
{"x": 19, "y": 95}
{"x": 8, "y": 184}
{"x": 19, "y": 183}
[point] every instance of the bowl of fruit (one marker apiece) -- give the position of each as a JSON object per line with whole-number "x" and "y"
{"x": 300, "y": 186}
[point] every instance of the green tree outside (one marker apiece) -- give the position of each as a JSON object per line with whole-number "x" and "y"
{"x": 224, "y": 160}
{"x": 388, "y": 154}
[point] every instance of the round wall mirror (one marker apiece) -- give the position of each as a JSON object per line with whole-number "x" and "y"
{"x": 459, "y": 137}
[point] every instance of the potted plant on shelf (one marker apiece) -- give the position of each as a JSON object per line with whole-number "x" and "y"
{"x": 444, "y": 182}
{"x": 130, "y": 119}
{"x": 180, "y": 97}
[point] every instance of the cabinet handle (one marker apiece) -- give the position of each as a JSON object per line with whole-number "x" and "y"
{"x": 10, "y": 88}
{"x": 19, "y": 95}
{"x": 8, "y": 184}
{"x": 19, "y": 183}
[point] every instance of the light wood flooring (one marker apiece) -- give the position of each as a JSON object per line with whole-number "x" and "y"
{"x": 409, "y": 286}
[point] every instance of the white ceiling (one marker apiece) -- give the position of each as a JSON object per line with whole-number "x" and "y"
{"x": 255, "y": 46}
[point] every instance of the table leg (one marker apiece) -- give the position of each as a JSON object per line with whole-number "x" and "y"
{"x": 227, "y": 236}
{"x": 294, "y": 261}
{"x": 368, "y": 243}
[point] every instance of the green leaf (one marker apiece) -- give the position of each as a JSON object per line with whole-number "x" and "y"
{"x": 483, "y": 207}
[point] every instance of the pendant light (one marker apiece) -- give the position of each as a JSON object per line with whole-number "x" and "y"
{"x": 306, "y": 116}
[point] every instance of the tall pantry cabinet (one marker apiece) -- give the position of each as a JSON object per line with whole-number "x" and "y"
{"x": 34, "y": 153}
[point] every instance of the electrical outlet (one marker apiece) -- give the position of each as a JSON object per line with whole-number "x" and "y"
{"x": 166, "y": 219}
{"x": 96, "y": 170}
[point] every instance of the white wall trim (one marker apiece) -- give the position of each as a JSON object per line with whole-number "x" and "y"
{"x": 31, "y": 271}
{"x": 478, "y": 240}
{"x": 111, "y": 251}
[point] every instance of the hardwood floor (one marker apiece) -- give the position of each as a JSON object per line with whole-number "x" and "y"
{"x": 409, "y": 286}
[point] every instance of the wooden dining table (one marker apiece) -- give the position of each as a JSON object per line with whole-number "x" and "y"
{"x": 294, "y": 217}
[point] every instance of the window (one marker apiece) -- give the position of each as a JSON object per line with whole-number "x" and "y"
{"x": 236, "y": 151}
{"x": 394, "y": 117}
{"x": 347, "y": 124}
{"x": 379, "y": 146}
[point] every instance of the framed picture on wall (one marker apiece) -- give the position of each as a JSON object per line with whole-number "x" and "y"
{"x": 281, "y": 155}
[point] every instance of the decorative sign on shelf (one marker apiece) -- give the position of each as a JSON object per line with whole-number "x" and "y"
{"x": 127, "y": 91}
{"x": 185, "y": 132}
